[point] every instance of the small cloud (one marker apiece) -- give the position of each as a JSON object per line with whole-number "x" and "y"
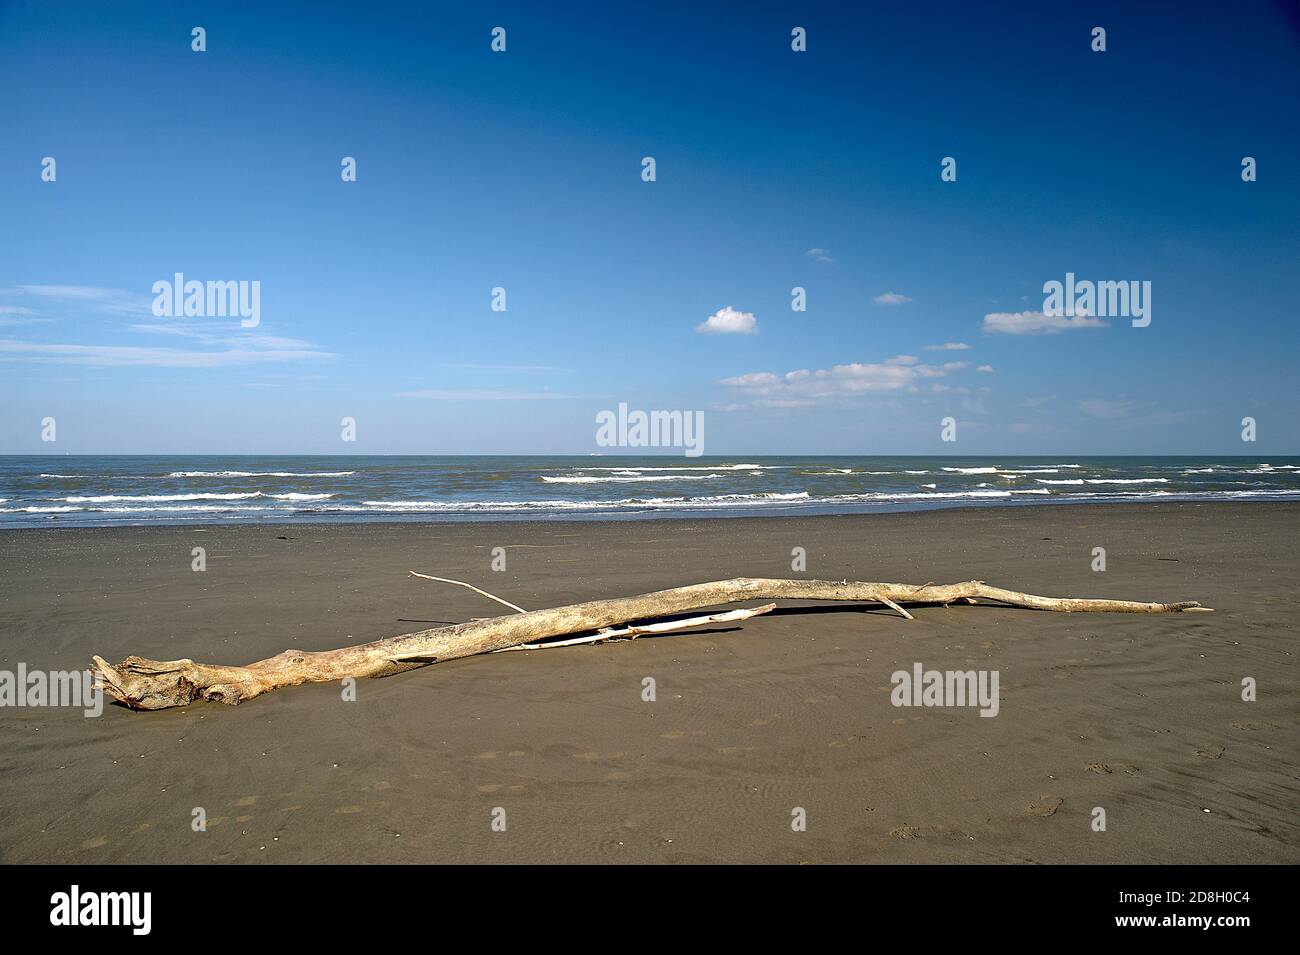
{"x": 819, "y": 255}
{"x": 728, "y": 321}
{"x": 891, "y": 298}
{"x": 948, "y": 346}
{"x": 482, "y": 394}
{"x": 985, "y": 368}
{"x": 1035, "y": 323}
{"x": 804, "y": 387}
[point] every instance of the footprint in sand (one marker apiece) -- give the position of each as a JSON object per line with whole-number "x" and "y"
{"x": 1127, "y": 768}
{"x": 95, "y": 843}
{"x": 1045, "y": 806}
{"x": 1251, "y": 725}
{"x": 347, "y": 810}
{"x": 245, "y": 801}
{"x": 1211, "y": 753}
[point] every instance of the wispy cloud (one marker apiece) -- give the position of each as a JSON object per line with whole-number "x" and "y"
{"x": 891, "y": 298}
{"x": 1037, "y": 323}
{"x": 17, "y": 315}
{"x": 729, "y": 321}
{"x": 482, "y": 394}
{"x": 819, "y": 255}
{"x": 210, "y": 342}
{"x": 804, "y": 387}
{"x": 107, "y": 356}
{"x": 948, "y": 346}
{"x": 987, "y": 369}
{"x": 475, "y": 366}
{"x": 89, "y": 297}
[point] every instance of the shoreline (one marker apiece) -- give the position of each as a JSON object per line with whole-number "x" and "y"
{"x": 793, "y": 512}
{"x": 1139, "y": 714}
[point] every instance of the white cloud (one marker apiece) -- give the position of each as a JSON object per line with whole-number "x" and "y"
{"x": 805, "y": 387}
{"x": 728, "y": 321}
{"x": 17, "y": 315}
{"x": 106, "y": 356}
{"x": 985, "y": 368}
{"x": 481, "y": 394}
{"x": 90, "y": 297}
{"x": 891, "y": 298}
{"x": 819, "y": 255}
{"x": 948, "y": 346}
{"x": 209, "y": 342}
{"x": 1033, "y": 323}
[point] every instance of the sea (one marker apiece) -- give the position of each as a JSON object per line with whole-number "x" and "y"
{"x": 74, "y": 490}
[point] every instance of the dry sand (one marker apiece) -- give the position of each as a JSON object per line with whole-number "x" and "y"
{"x": 1141, "y": 715}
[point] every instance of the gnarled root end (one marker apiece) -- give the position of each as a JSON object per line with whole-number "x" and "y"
{"x": 156, "y": 685}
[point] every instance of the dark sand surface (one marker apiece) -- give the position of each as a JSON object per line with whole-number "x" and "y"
{"x": 1139, "y": 714}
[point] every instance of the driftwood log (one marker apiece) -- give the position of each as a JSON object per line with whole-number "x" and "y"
{"x": 154, "y": 685}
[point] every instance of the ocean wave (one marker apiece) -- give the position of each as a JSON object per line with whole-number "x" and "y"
{"x": 64, "y": 477}
{"x": 1061, "y": 481}
{"x": 131, "y": 498}
{"x": 230, "y": 474}
{"x": 1127, "y": 480}
{"x": 635, "y": 478}
{"x": 695, "y": 467}
{"x": 35, "y": 509}
{"x": 727, "y": 499}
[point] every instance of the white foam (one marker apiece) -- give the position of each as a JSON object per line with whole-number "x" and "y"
{"x": 695, "y": 467}
{"x": 639, "y": 478}
{"x": 127, "y": 498}
{"x": 1127, "y": 480}
{"x": 190, "y": 474}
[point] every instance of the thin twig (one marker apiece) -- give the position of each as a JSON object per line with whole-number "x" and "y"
{"x": 893, "y": 606}
{"x": 634, "y": 631}
{"x": 448, "y": 580}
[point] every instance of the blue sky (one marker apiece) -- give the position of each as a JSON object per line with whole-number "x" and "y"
{"x": 774, "y": 169}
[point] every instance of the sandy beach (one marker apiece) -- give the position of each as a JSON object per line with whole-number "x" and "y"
{"x": 1138, "y": 714}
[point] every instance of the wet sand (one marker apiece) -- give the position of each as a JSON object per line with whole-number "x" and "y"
{"x": 1138, "y": 714}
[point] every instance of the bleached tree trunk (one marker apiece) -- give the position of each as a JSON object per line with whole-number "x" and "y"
{"x": 152, "y": 685}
